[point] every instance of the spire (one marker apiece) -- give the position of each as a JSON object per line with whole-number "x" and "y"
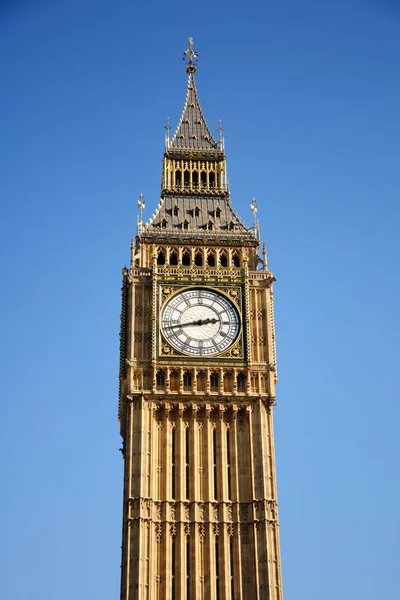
{"x": 192, "y": 131}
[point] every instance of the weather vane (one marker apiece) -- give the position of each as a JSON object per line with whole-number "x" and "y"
{"x": 192, "y": 57}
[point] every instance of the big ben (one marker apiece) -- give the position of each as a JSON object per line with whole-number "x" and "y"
{"x": 197, "y": 386}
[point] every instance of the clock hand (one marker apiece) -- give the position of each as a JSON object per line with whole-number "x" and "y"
{"x": 198, "y": 322}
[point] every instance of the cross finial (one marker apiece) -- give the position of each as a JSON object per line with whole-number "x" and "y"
{"x": 192, "y": 57}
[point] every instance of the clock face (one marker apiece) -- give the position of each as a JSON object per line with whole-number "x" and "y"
{"x": 200, "y": 322}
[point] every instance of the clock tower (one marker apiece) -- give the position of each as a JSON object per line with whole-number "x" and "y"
{"x": 197, "y": 386}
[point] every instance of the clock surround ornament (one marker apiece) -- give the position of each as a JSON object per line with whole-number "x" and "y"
{"x": 201, "y": 322}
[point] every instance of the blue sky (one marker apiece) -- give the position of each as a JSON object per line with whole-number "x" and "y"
{"x": 309, "y": 95}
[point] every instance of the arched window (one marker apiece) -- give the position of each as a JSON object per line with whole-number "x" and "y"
{"x": 195, "y": 179}
{"x": 211, "y": 258}
{"x": 241, "y": 381}
{"x": 210, "y": 226}
{"x": 161, "y": 256}
{"x": 223, "y": 258}
{"x": 228, "y": 381}
{"x": 174, "y": 381}
{"x": 173, "y": 257}
{"x": 196, "y": 211}
{"x": 187, "y": 380}
{"x": 178, "y": 178}
{"x": 211, "y": 178}
{"x": 186, "y": 179}
{"x": 186, "y": 257}
{"x": 236, "y": 259}
{"x": 214, "y": 381}
{"x": 231, "y": 225}
{"x": 201, "y": 381}
{"x": 164, "y": 224}
{"x": 218, "y": 212}
{"x": 160, "y": 378}
{"x": 185, "y": 224}
{"x": 175, "y": 211}
{"x": 203, "y": 179}
{"x": 198, "y": 258}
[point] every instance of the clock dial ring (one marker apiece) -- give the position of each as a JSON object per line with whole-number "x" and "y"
{"x": 200, "y": 322}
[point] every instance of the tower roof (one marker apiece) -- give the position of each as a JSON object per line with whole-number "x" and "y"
{"x": 192, "y": 132}
{"x": 185, "y": 215}
{"x": 195, "y": 196}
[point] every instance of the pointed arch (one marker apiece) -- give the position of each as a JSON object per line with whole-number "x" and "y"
{"x": 186, "y": 257}
{"x": 161, "y": 256}
{"x": 173, "y": 257}
{"x": 236, "y": 258}
{"x": 198, "y": 258}
{"x": 211, "y": 258}
{"x": 223, "y": 258}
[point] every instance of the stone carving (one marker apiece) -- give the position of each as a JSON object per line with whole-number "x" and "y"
{"x": 202, "y": 532}
{"x": 158, "y": 532}
{"x": 201, "y": 511}
{"x": 187, "y": 510}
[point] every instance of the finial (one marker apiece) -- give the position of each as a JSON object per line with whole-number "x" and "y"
{"x": 141, "y": 204}
{"x": 265, "y": 265}
{"x": 221, "y": 137}
{"x": 254, "y": 209}
{"x": 167, "y": 128}
{"x": 192, "y": 57}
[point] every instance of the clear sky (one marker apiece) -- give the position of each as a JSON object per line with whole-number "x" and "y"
{"x": 309, "y": 94}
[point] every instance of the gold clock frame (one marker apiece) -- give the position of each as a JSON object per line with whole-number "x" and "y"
{"x": 232, "y": 293}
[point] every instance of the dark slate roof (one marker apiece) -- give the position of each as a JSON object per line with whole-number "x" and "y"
{"x": 198, "y": 212}
{"x": 192, "y": 131}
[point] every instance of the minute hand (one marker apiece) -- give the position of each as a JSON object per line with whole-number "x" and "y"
{"x": 198, "y": 322}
